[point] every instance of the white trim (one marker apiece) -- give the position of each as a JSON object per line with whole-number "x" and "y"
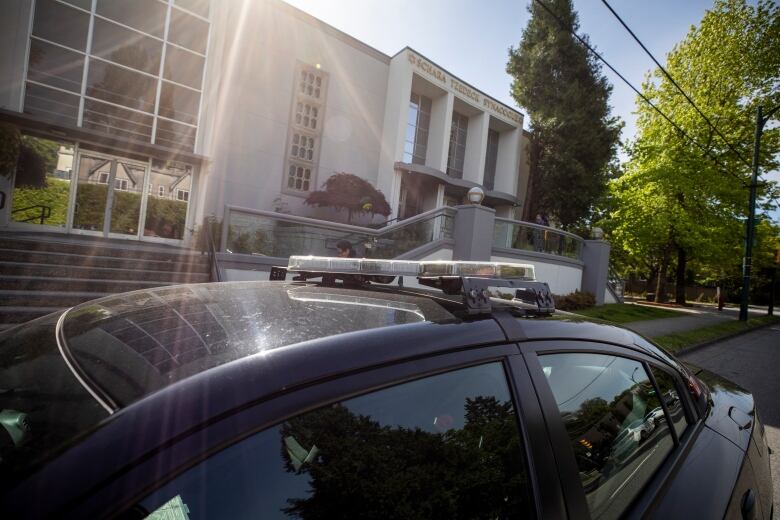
{"x": 124, "y": 26}
{"x": 59, "y": 336}
{"x": 202, "y": 84}
{"x": 98, "y": 58}
{"x": 85, "y": 73}
{"x": 180, "y": 85}
{"x": 177, "y": 122}
{"x": 67, "y": 4}
{"x": 27, "y": 55}
{"x": 196, "y": 15}
{"x": 196, "y": 53}
{"x": 118, "y": 105}
{"x": 61, "y": 46}
{"x": 156, "y": 108}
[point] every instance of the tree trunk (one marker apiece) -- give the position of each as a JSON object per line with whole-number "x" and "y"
{"x": 660, "y": 287}
{"x": 530, "y": 204}
{"x": 680, "y": 276}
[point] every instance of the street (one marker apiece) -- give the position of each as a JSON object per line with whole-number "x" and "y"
{"x": 752, "y": 361}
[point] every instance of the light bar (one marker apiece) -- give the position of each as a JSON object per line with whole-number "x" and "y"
{"x": 423, "y": 269}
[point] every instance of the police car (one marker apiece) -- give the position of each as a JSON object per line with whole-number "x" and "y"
{"x": 336, "y": 391}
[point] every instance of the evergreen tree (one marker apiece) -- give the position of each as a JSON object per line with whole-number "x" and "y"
{"x": 573, "y": 134}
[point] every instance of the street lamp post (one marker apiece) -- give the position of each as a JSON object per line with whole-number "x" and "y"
{"x": 751, "y": 222}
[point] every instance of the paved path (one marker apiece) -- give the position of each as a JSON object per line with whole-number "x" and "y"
{"x": 693, "y": 318}
{"x": 752, "y": 360}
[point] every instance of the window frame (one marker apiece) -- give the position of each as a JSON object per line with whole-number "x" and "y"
{"x": 134, "y": 484}
{"x": 574, "y": 494}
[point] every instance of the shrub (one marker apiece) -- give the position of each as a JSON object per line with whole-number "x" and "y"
{"x": 575, "y": 301}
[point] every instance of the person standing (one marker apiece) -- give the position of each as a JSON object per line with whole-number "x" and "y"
{"x": 344, "y": 249}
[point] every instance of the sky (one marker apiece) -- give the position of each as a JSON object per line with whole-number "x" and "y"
{"x": 471, "y": 39}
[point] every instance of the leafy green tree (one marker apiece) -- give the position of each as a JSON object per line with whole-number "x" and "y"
{"x": 350, "y": 192}
{"x": 682, "y": 199}
{"x": 573, "y": 134}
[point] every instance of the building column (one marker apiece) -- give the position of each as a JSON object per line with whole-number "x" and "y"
{"x": 473, "y": 232}
{"x": 595, "y": 255}
{"x": 508, "y": 164}
{"x": 439, "y": 131}
{"x": 476, "y": 148}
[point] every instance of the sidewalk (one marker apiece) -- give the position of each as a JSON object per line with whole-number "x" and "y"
{"x": 695, "y": 317}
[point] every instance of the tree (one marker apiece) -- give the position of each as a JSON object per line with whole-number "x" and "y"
{"x": 676, "y": 204}
{"x": 350, "y": 192}
{"x": 573, "y": 135}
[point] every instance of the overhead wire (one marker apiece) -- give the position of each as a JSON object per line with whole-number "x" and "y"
{"x": 676, "y": 85}
{"x": 703, "y": 148}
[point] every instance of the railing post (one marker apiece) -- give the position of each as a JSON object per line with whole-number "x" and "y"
{"x": 474, "y": 230}
{"x": 225, "y": 229}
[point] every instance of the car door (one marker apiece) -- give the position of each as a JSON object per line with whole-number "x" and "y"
{"x": 440, "y": 437}
{"x": 626, "y": 436}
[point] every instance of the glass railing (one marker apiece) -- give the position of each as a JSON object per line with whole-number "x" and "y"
{"x": 279, "y": 235}
{"x": 525, "y": 236}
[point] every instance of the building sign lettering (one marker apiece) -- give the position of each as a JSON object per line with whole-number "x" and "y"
{"x": 495, "y": 107}
{"x": 427, "y": 67}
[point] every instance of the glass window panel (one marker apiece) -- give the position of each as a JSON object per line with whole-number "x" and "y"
{"x": 117, "y": 121}
{"x": 200, "y": 7}
{"x": 188, "y": 31}
{"x": 165, "y": 213}
{"x": 121, "y": 86}
{"x": 145, "y": 15}
{"x": 179, "y": 103}
{"x": 671, "y": 398}
{"x": 445, "y": 446}
{"x": 128, "y": 188}
{"x": 51, "y": 105}
{"x": 608, "y": 406}
{"x": 175, "y": 135}
{"x": 61, "y": 24}
{"x": 126, "y": 47}
{"x": 91, "y": 193}
{"x": 42, "y": 184}
{"x": 183, "y": 67}
{"x": 55, "y": 66}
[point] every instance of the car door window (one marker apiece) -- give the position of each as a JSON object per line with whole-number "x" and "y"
{"x": 615, "y": 423}
{"x": 671, "y": 398}
{"x": 446, "y": 446}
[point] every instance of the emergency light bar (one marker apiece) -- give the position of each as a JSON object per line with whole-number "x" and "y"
{"x": 422, "y": 269}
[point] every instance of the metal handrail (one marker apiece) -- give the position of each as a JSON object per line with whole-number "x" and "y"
{"x": 214, "y": 271}
{"x": 329, "y": 225}
{"x": 45, "y": 213}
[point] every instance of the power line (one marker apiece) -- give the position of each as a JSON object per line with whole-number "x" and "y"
{"x": 644, "y": 98}
{"x": 669, "y": 76}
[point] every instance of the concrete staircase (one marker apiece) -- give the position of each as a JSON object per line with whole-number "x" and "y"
{"x": 41, "y": 273}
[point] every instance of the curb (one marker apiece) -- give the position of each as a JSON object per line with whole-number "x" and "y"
{"x": 697, "y": 346}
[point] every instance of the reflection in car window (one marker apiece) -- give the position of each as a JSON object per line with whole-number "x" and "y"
{"x": 671, "y": 399}
{"x": 616, "y": 424}
{"x": 446, "y": 446}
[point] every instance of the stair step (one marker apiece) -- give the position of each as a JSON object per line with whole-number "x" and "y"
{"x": 43, "y": 283}
{"x": 23, "y": 314}
{"x": 77, "y": 271}
{"x": 60, "y": 299}
{"x": 102, "y": 248}
{"x": 185, "y": 264}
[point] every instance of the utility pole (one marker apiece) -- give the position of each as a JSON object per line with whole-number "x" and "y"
{"x": 751, "y": 221}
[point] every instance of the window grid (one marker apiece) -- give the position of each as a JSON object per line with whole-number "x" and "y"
{"x": 305, "y": 129}
{"x": 82, "y": 93}
{"x": 457, "y": 148}
{"x": 418, "y": 124}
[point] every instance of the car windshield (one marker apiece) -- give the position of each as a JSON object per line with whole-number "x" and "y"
{"x": 133, "y": 344}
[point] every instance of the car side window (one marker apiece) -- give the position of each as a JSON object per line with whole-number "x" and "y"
{"x": 615, "y": 422}
{"x": 671, "y": 398}
{"x": 446, "y": 446}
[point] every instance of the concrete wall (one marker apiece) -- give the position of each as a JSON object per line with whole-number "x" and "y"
{"x": 258, "y": 48}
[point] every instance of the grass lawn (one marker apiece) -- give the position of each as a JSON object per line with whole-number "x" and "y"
{"x": 626, "y": 312}
{"x": 680, "y": 340}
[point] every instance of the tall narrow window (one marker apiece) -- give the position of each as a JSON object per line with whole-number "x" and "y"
{"x": 457, "y": 151}
{"x": 417, "y": 124}
{"x": 491, "y": 158}
{"x": 305, "y": 129}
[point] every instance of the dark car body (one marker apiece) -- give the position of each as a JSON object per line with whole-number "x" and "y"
{"x": 124, "y": 394}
